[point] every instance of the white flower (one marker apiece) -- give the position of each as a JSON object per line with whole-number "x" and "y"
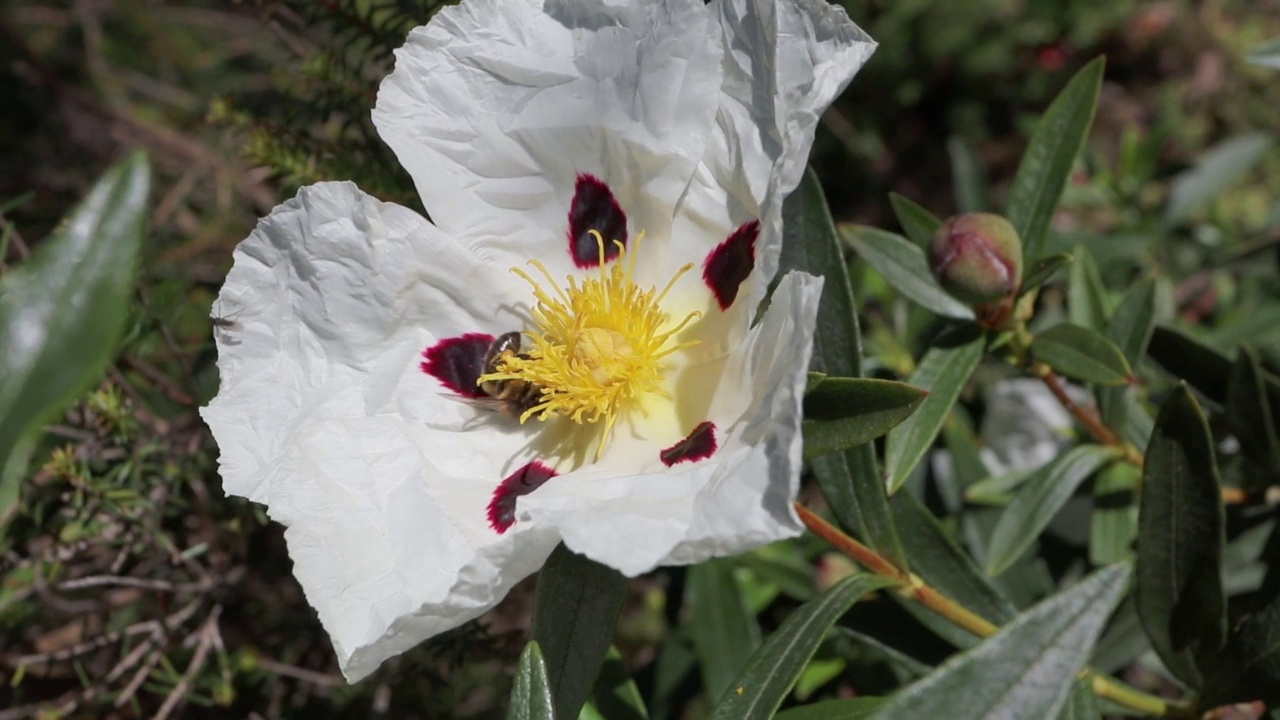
{"x": 660, "y": 135}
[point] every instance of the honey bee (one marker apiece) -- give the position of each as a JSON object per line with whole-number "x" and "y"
{"x": 513, "y": 397}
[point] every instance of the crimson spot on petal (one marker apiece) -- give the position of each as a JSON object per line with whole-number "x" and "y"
{"x": 698, "y": 445}
{"x": 594, "y": 208}
{"x": 458, "y": 362}
{"x": 730, "y": 263}
{"x": 502, "y": 508}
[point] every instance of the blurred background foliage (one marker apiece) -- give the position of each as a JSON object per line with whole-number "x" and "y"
{"x": 130, "y": 587}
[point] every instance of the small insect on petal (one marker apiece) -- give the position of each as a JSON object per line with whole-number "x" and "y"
{"x": 458, "y": 362}
{"x": 730, "y": 263}
{"x": 594, "y": 208}
{"x": 698, "y": 445}
{"x": 502, "y": 508}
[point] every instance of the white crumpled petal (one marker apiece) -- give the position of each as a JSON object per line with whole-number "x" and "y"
{"x": 698, "y": 119}
{"x": 1025, "y": 425}
{"x": 324, "y": 416}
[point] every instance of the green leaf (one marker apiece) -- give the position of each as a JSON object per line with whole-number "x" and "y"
{"x": 997, "y": 489}
{"x": 1135, "y": 317}
{"x": 62, "y": 312}
{"x": 575, "y": 609}
{"x": 531, "y": 696}
{"x": 943, "y": 372}
{"x": 775, "y": 667}
{"x": 1113, "y": 524}
{"x": 859, "y": 708}
{"x": 904, "y": 666}
{"x": 943, "y": 565}
{"x": 1266, "y": 54}
{"x": 783, "y": 564}
{"x": 1039, "y": 499}
{"x": 1040, "y": 270}
{"x": 676, "y": 661}
{"x": 917, "y": 223}
{"x": 723, "y": 628}
{"x": 1221, "y": 166}
{"x": 1027, "y": 670}
{"x": 1250, "y": 414}
{"x": 817, "y": 673}
{"x": 1082, "y": 704}
{"x": 967, "y": 176}
{"x": 1046, "y": 164}
{"x": 615, "y": 695}
{"x": 1185, "y": 357}
{"x": 904, "y": 267}
{"x": 1081, "y": 353}
{"x": 1087, "y": 302}
{"x": 842, "y": 413}
{"x": 850, "y": 481}
{"x": 1178, "y": 586}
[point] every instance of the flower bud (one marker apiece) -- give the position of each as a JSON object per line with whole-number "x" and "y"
{"x": 977, "y": 257}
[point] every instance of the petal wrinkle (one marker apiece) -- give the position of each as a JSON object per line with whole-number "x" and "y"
{"x": 502, "y": 508}
{"x": 458, "y": 362}
{"x": 594, "y": 208}
{"x": 697, "y": 445}
{"x": 730, "y": 263}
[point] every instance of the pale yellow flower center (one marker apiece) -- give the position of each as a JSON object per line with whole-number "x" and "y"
{"x": 598, "y": 344}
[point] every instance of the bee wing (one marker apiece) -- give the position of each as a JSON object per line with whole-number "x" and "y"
{"x": 482, "y": 403}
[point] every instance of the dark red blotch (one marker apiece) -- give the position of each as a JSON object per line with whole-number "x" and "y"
{"x": 458, "y": 362}
{"x": 502, "y": 508}
{"x": 730, "y": 263}
{"x": 594, "y": 208}
{"x": 698, "y": 445}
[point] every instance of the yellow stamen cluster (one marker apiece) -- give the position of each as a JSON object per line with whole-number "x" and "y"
{"x": 598, "y": 344}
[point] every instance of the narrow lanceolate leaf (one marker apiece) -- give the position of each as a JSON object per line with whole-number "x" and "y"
{"x": 1040, "y": 270}
{"x": 917, "y": 223}
{"x": 1135, "y": 317}
{"x": 531, "y": 696}
{"x": 1081, "y": 353}
{"x": 1039, "y": 499}
{"x": 1221, "y": 166}
{"x": 1249, "y": 413}
{"x": 905, "y": 267}
{"x": 1027, "y": 670}
{"x": 943, "y": 565}
{"x": 850, "y": 481}
{"x": 724, "y": 630}
{"x": 1046, "y": 163}
{"x": 1087, "y": 301}
{"x": 1205, "y": 368}
{"x": 943, "y": 372}
{"x": 1113, "y": 524}
{"x": 859, "y": 708}
{"x": 842, "y": 413}
{"x": 575, "y": 609}
{"x": 1178, "y": 585}
{"x": 776, "y": 666}
{"x": 62, "y": 311}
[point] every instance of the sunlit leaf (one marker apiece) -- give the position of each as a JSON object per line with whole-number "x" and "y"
{"x": 943, "y": 372}
{"x": 1039, "y": 498}
{"x": 850, "y": 481}
{"x": 1046, "y": 163}
{"x": 1081, "y": 353}
{"x": 904, "y": 267}
{"x": 1027, "y": 670}
{"x": 859, "y": 708}
{"x": 842, "y": 413}
{"x": 62, "y": 311}
{"x": 1087, "y": 301}
{"x": 531, "y": 696}
{"x": 1220, "y": 166}
{"x": 774, "y": 668}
